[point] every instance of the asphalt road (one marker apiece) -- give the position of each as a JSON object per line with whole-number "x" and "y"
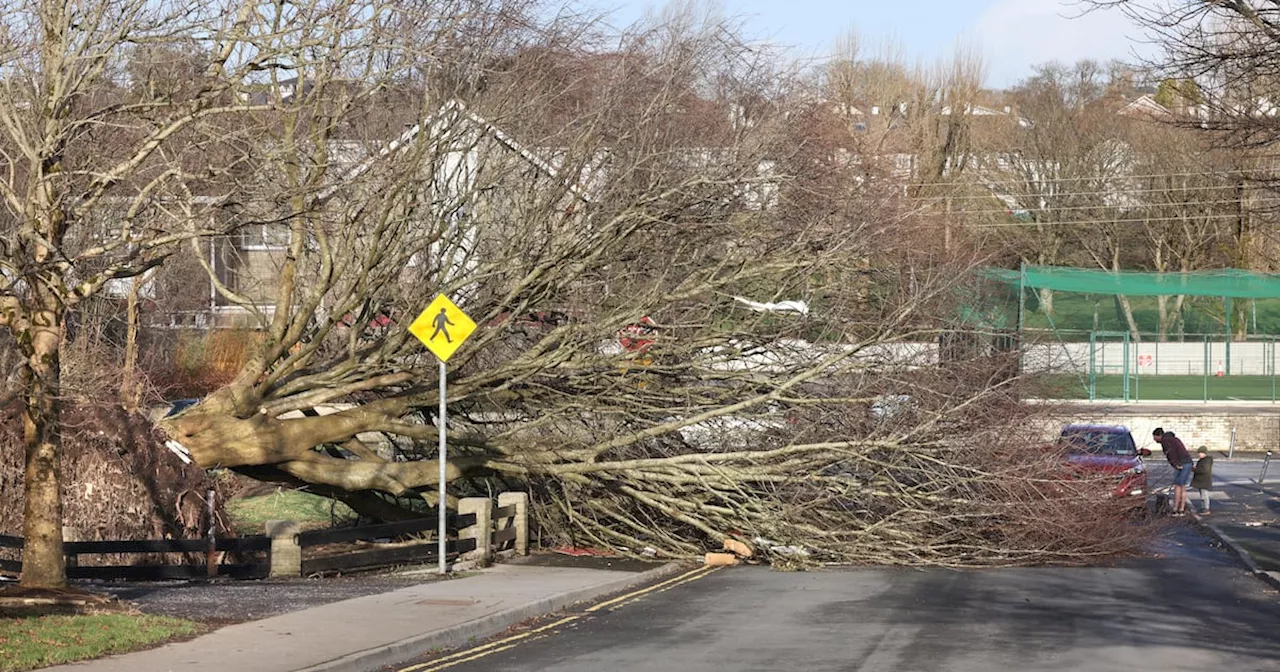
{"x": 1193, "y": 609}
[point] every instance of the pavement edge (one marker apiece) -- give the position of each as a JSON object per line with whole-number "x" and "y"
{"x": 487, "y": 626}
{"x": 1272, "y": 578}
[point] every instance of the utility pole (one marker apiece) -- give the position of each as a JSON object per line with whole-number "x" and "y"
{"x": 1242, "y": 242}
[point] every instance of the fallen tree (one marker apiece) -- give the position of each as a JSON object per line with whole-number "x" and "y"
{"x": 725, "y": 418}
{"x": 561, "y": 186}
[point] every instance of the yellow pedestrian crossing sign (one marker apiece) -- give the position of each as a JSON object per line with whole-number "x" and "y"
{"x": 442, "y": 327}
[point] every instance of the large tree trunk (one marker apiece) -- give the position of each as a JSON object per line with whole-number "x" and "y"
{"x": 1126, "y": 309}
{"x": 130, "y": 386}
{"x": 1169, "y": 317}
{"x": 1046, "y": 301}
{"x": 43, "y": 562}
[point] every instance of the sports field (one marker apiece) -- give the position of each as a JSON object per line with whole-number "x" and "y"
{"x": 1171, "y": 388}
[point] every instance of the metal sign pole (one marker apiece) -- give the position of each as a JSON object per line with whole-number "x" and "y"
{"x": 440, "y": 502}
{"x": 442, "y": 327}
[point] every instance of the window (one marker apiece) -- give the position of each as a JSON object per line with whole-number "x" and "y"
{"x": 1099, "y": 442}
{"x": 263, "y": 237}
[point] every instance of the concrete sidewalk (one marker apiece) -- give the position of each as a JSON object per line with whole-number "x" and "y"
{"x": 365, "y": 633}
{"x": 1246, "y": 518}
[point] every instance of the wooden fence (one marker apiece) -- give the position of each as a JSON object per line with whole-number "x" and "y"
{"x": 416, "y": 552}
{"x": 153, "y": 572}
{"x": 481, "y": 530}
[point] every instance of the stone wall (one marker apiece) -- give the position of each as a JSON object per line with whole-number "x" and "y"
{"x": 1256, "y": 429}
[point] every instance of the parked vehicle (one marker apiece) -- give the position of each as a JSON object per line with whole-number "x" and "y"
{"x": 1111, "y": 450}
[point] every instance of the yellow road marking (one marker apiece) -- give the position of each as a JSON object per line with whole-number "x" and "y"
{"x": 489, "y": 648}
{"x": 662, "y": 588}
{"x": 468, "y": 659}
{"x": 697, "y": 572}
{"x": 690, "y": 579}
{"x": 516, "y": 640}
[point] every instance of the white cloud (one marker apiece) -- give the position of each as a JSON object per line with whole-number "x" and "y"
{"x": 1017, "y": 34}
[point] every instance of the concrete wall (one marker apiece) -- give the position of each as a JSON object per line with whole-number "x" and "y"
{"x": 1156, "y": 359}
{"x": 1256, "y": 429}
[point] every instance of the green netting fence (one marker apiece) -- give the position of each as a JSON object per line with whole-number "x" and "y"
{"x": 1226, "y": 283}
{"x": 1145, "y": 336}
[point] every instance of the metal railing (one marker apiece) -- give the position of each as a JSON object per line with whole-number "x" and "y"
{"x": 1113, "y": 365}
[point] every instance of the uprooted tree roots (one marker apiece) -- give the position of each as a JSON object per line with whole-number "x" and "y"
{"x": 120, "y": 482}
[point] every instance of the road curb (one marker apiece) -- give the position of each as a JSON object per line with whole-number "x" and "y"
{"x": 1272, "y": 578}
{"x": 486, "y": 626}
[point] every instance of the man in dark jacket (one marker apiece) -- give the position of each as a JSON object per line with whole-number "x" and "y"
{"x": 1176, "y": 453}
{"x": 1202, "y": 479}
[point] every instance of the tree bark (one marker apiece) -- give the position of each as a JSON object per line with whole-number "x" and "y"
{"x": 1126, "y": 309}
{"x": 43, "y": 562}
{"x": 1169, "y": 317}
{"x": 1046, "y": 301}
{"x": 130, "y": 387}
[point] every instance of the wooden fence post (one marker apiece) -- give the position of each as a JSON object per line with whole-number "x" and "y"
{"x": 70, "y": 533}
{"x": 286, "y": 553}
{"x": 521, "y": 520}
{"x": 211, "y": 550}
{"x": 482, "y": 531}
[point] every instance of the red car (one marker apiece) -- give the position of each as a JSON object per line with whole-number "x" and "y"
{"x": 1108, "y": 449}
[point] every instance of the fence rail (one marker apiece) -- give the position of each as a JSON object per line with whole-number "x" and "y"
{"x": 152, "y": 572}
{"x": 371, "y": 532}
{"x": 507, "y": 511}
{"x": 227, "y": 544}
{"x": 384, "y": 557}
{"x": 1114, "y": 365}
{"x": 479, "y": 533}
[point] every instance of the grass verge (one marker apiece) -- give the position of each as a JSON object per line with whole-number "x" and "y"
{"x": 248, "y": 514}
{"x": 31, "y": 642}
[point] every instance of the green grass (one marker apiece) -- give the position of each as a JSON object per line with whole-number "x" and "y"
{"x": 39, "y": 641}
{"x": 248, "y": 514}
{"x": 1171, "y": 388}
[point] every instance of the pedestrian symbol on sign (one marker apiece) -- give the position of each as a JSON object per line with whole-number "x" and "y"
{"x": 442, "y": 325}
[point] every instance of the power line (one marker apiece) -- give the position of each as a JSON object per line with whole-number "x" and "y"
{"x": 1217, "y": 173}
{"x": 1139, "y": 206}
{"x": 1070, "y": 194}
{"x": 1083, "y": 222}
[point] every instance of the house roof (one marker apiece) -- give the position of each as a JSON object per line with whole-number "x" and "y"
{"x": 451, "y": 112}
{"x": 1145, "y": 106}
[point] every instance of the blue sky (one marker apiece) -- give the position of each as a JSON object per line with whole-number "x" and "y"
{"x": 1011, "y": 34}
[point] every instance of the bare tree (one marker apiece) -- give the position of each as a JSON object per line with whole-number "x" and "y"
{"x": 1223, "y": 54}
{"x": 111, "y": 168}
{"x": 1190, "y": 203}
{"x": 927, "y": 127}
{"x": 1063, "y": 168}
{"x": 62, "y": 107}
{"x": 1219, "y": 66}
